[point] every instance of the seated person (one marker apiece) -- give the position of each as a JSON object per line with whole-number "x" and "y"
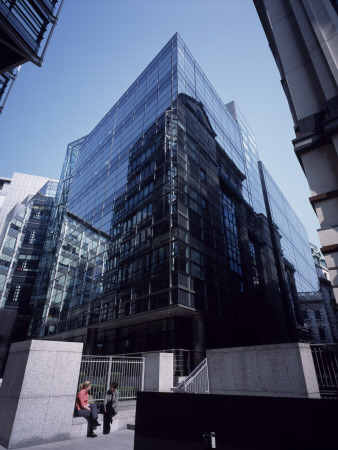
{"x": 86, "y": 410}
{"x": 110, "y": 407}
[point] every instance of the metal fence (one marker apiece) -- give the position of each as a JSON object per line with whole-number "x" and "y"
{"x": 198, "y": 381}
{"x": 128, "y": 372}
{"x": 325, "y": 358}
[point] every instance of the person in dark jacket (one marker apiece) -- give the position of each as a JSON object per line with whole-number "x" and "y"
{"x": 110, "y": 407}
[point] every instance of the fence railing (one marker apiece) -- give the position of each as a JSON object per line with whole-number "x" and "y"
{"x": 198, "y": 381}
{"x": 325, "y": 358}
{"x": 128, "y": 372}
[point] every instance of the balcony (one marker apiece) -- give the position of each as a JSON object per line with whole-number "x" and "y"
{"x": 23, "y": 25}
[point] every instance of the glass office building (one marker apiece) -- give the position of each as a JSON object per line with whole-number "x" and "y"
{"x": 162, "y": 239}
{"x": 293, "y": 236}
{"x": 254, "y": 193}
{"x": 20, "y": 252}
{"x": 296, "y": 271}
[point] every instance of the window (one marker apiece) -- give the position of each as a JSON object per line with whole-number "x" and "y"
{"x": 14, "y": 227}
{"x": 322, "y": 333}
{"x": 16, "y": 293}
{"x": 231, "y": 233}
{"x": 334, "y": 3}
{"x": 26, "y": 265}
{"x": 203, "y": 175}
{"x": 30, "y": 237}
{"x": 317, "y": 314}
{"x": 4, "y": 263}
{"x": 254, "y": 263}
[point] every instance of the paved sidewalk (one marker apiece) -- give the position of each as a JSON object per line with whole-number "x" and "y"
{"x": 119, "y": 440}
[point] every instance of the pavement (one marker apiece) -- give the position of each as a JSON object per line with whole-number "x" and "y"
{"x": 119, "y": 440}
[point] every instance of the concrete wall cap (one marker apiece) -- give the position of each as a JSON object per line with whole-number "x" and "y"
{"x": 39, "y": 345}
{"x": 256, "y": 348}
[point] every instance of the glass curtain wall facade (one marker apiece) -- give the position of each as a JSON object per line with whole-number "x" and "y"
{"x": 20, "y": 253}
{"x": 254, "y": 192}
{"x": 294, "y": 240}
{"x": 164, "y": 241}
{"x": 296, "y": 270}
{"x": 49, "y": 261}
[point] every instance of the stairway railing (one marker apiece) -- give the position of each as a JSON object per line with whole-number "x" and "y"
{"x": 198, "y": 381}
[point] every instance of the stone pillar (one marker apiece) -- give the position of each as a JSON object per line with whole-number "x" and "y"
{"x": 158, "y": 371}
{"x": 282, "y": 370}
{"x": 38, "y": 392}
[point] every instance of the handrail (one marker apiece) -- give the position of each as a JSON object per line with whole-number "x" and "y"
{"x": 323, "y": 345}
{"x": 112, "y": 356}
{"x": 190, "y": 378}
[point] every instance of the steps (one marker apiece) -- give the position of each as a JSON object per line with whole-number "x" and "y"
{"x": 123, "y": 419}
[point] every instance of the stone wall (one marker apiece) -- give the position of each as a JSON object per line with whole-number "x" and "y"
{"x": 285, "y": 370}
{"x": 158, "y": 371}
{"x": 38, "y": 392}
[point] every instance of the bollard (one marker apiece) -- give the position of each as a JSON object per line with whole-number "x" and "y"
{"x": 209, "y": 439}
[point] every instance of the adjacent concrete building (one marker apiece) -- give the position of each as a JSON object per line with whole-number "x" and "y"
{"x": 14, "y": 190}
{"x": 320, "y": 309}
{"x": 303, "y": 37}
{"x": 20, "y": 251}
{"x": 21, "y": 245}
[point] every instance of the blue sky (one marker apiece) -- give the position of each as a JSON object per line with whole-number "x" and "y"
{"x": 98, "y": 49}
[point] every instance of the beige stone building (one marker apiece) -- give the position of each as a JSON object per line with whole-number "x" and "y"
{"x": 303, "y": 38}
